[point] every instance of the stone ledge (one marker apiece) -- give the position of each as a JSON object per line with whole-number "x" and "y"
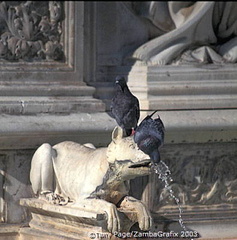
{"x": 10, "y": 231}
{"x": 42, "y": 207}
{"x": 176, "y": 87}
{"x": 10, "y": 228}
{"x": 195, "y": 72}
{"x": 28, "y": 132}
{"x": 197, "y": 126}
{"x": 28, "y": 105}
{"x": 42, "y": 88}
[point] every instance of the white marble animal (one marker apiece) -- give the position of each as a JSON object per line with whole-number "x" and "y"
{"x": 93, "y": 178}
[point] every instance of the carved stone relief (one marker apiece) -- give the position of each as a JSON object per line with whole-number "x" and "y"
{"x": 14, "y": 184}
{"x": 178, "y": 32}
{"x": 31, "y": 30}
{"x": 202, "y": 179}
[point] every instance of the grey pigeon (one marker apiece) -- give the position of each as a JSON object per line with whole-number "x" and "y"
{"x": 125, "y": 107}
{"x": 149, "y": 136}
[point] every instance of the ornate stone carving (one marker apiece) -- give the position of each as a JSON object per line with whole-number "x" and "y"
{"x": 203, "y": 182}
{"x": 187, "y": 32}
{"x": 31, "y": 30}
{"x": 92, "y": 179}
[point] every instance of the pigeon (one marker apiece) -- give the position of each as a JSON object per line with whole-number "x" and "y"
{"x": 149, "y": 137}
{"x": 125, "y": 107}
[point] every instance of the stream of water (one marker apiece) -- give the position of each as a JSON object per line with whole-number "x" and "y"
{"x": 164, "y": 175}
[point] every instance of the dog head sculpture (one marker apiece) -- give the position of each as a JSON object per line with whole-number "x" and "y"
{"x": 124, "y": 156}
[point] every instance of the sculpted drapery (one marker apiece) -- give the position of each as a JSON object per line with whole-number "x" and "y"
{"x": 184, "y": 32}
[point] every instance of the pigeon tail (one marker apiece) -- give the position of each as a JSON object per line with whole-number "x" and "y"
{"x": 149, "y": 116}
{"x": 153, "y": 113}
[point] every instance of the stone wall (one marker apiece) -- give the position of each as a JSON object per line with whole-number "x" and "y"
{"x": 62, "y": 91}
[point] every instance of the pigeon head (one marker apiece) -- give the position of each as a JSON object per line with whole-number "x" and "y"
{"x": 150, "y": 146}
{"x": 149, "y": 136}
{"x": 121, "y": 82}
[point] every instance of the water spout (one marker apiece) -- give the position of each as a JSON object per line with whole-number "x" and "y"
{"x": 164, "y": 174}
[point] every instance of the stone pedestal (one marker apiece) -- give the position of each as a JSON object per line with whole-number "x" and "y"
{"x": 201, "y": 87}
{"x": 186, "y": 87}
{"x": 69, "y": 222}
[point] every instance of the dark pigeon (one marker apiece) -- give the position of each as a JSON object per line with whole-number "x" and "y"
{"x": 125, "y": 107}
{"x": 149, "y": 137}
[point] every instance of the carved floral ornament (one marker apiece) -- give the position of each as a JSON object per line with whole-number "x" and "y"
{"x": 31, "y": 30}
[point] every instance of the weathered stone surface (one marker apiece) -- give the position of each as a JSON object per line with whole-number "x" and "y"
{"x": 15, "y": 184}
{"x": 24, "y": 105}
{"x": 10, "y": 231}
{"x": 28, "y": 132}
{"x": 69, "y": 222}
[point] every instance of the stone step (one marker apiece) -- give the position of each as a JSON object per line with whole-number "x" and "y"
{"x": 223, "y": 101}
{"x": 27, "y": 105}
{"x": 216, "y": 95}
{"x": 163, "y": 88}
{"x": 44, "y": 89}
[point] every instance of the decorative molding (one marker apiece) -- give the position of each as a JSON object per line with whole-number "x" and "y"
{"x": 71, "y": 44}
{"x": 31, "y": 31}
{"x": 184, "y": 87}
{"x": 41, "y": 83}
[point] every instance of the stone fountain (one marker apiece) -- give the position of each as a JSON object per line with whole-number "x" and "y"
{"x": 81, "y": 192}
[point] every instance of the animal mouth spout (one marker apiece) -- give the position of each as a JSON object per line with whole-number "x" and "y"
{"x": 144, "y": 163}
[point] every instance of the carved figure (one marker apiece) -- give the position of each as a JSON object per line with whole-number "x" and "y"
{"x": 94, "y": 179}
{"x": 187, "y": 32}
